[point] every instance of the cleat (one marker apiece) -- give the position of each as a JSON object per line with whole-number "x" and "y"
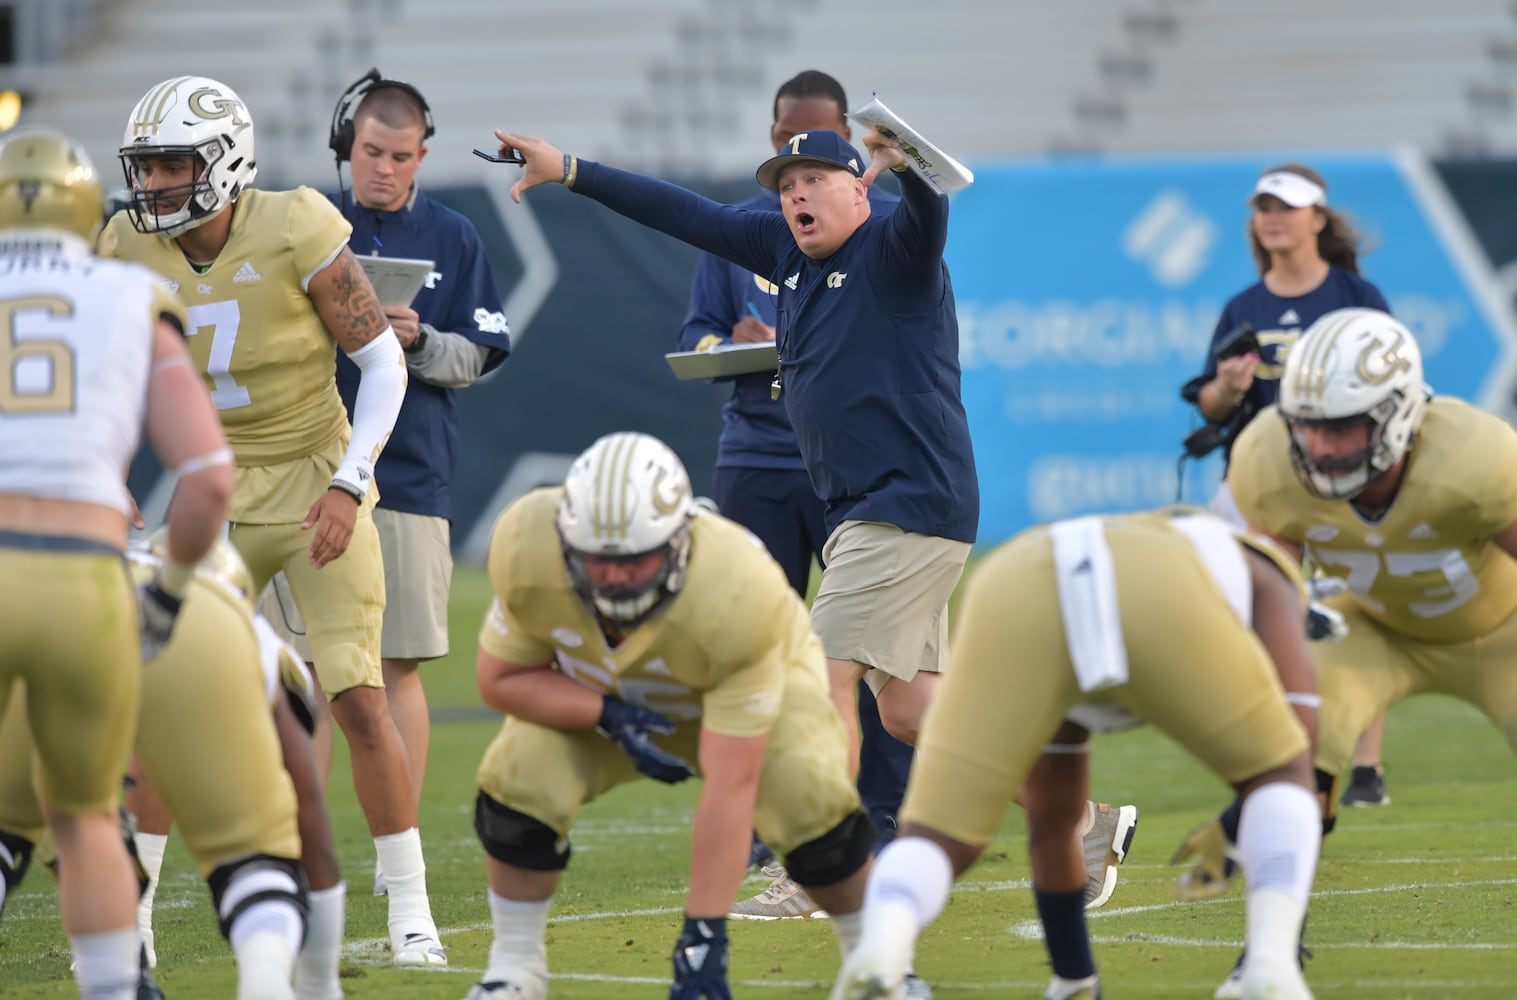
{"x": 1106, "y": 845}
{"x": 1214, "y": 868}
{"x": 419, "y": 950}
{"x": 500, "y": 990}
{"x": 1283, "y": 983}
{"x": 782, "y": 900}
{"x": 1073, "y": 989}
{"x": 915, "y": 988}
{"x": 1232, "y": 987}
{"x": 1366, "y": 787}
{"x": 147, "y": 986}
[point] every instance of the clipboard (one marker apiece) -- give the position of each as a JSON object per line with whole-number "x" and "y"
{"x": 396, "y": 280}
{"x": 728, "y": 359}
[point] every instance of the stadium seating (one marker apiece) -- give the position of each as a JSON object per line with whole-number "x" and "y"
{"x": 683, "y": 86}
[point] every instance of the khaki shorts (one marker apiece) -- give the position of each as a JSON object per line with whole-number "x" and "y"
{"x": 418, "y": 568}
{"x": 883, "y": 601}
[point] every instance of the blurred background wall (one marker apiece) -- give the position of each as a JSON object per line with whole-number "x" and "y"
{"x": 1115, "y": 143}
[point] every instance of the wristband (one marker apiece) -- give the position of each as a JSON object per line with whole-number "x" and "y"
{"x": 348, "y": 488}
{"x": 571, "y": 170}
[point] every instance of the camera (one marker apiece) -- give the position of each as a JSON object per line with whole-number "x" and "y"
{"x": 1240, "y": 340}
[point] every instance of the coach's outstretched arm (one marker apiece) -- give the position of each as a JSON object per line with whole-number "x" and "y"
{"x": 747, "y": 238}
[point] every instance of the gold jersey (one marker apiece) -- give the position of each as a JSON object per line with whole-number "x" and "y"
{"x": 724, "y": 650}
{"x": 253, "y": 331}
{"x": 1427, "y": 568}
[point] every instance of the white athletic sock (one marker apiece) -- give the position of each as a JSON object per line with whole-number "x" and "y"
{"x": 848, "y": 927}
{"x": 520, "y": 942}
{"x": 150, "y": 848}
{"x": 912, "y": 871}
{"x": 1279, "y": 838}
{"x": 105, "y": 964}
{"x": 406, "y": 879}
{"x": 318, "y": 964}
{"x": 265, "y": 959}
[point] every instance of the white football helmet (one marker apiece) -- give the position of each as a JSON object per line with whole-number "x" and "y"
{"x": 627, "y": 496}
{"x": 1352, "y": 366}
{"x": 188, "y": 116}
{"x": 222, "y": 565}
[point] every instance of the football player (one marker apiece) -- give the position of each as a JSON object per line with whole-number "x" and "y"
{"x": 215, "y": 684}
{"x": 91, "y": 355}
{"x": 1410, "y": 500}
{"x": 633, "y": 632}
{"x": 171, "y": 697}
{"x": 1108, "y": 620}
{"x": 271, "y": 285}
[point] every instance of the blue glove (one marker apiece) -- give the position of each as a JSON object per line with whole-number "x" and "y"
{"x": 628, "y": 727}
{"x": 700, "y": 961}
{"x": 157, "y": 611}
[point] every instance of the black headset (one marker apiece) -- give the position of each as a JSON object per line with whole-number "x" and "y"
{"x": 341, "y": 141}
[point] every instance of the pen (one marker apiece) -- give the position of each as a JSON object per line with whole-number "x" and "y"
{"x": 753, "y": 311}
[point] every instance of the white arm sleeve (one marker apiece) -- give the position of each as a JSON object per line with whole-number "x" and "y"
{"x": 381, "y": 390}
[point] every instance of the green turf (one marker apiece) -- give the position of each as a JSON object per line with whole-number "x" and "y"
{"x": 1415, "y": 900}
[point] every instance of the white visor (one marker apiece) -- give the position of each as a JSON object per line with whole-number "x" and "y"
{"x": 1293, "y": 189}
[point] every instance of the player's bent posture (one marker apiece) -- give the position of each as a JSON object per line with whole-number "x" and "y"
{"x": 271, "y": 285}
{"x": 1412, "y": 501}
{"x": 624, "y": 611}
{"x": 207, "y": 742}
{"x": 183, "y": 703}
{"x": 1180, "y": 621}
{"x": 92, "y": 353}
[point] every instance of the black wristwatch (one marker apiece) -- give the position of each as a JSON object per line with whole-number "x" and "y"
{"x": 419, "y": 342}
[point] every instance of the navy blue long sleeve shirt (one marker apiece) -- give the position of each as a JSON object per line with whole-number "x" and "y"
{"x": 869, "y": 347}
{"x": 756, "y": 431}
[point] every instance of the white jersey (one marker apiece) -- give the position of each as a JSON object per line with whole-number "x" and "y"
{"x": 76, "y": 344}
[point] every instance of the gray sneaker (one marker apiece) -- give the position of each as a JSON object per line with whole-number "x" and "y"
{"x": 782, "y": 899}
{"x": 1106, "y": 846}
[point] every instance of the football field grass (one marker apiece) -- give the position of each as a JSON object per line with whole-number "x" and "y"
{"x": 1418, "y": 899}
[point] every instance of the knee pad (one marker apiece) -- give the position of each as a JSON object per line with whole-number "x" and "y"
{"x": 15, "y": 858}
{"x": 238, "y": 887}
{"x": 834, "y": 855}
{"x": 515, "y": 838}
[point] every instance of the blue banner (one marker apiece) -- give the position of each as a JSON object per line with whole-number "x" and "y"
{"x": 1088, "y": 291}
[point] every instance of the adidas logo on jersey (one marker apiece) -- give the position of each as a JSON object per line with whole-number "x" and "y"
{"x": 1423, "y": 530}
{"x": 793, "y": 280}
{"x": 1289, "y": 318}
{"x": 246, "y": 273}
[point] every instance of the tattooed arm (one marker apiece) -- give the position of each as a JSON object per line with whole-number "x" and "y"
{"x": 350, "y": 310}
{"x": 346, "y": 302}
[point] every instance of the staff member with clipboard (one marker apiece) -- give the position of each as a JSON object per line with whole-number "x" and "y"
{"x": 452, "y": 333}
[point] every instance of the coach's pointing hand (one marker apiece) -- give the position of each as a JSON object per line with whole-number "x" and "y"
{"x": 546, "y": 163}
{"x": 884, "y": 154}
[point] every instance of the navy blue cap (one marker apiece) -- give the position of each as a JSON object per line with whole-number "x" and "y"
{"x": 823, "y": 146}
